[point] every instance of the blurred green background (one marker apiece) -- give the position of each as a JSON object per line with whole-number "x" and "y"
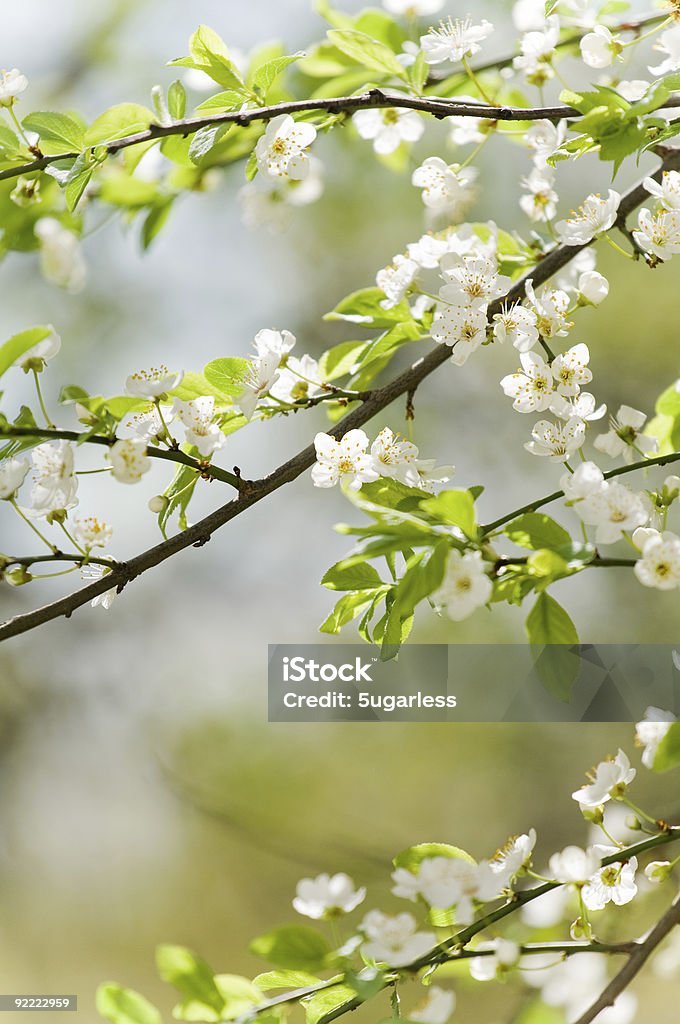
{"x": 144, "y": 798}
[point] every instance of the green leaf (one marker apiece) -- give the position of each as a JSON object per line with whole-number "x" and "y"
{"x": 548, "y": 623}
{"x": 369, "y": 52}
{"x": 363, "y": 307}
{"x": 349, "y": 607}
{"x": 177, "y": 100}
{"x": 204, "y": 140}
{"x": 327, "y": 1001}
{"x": 209, "y": 53}
{"x": 229, "y": 100}
{"x": 10, "y": 146}
{"x": 15, "y": 347}
{"x": 196, "y": 385}
{"x": 77, "y": 178}
{"x": 62, "y": 133}
{"x": 294, "y": 947}
{"x": 424, "y": 575}
{"x": 179, "y": 494}
{"x": 412, "y": 857}
{"x": 267, "y": 73}
{"x": 359, "y": 576}
{"x": 455, "y": 508}
{"x": 534, "y": 530}
{"x": 123, "y": 119}
{"x": 285, "y": 979}
{"x": 124, "y": 1006}
{"x": 668, "y": 753}
{"x": 227, "y": 375}
{"x": 191, "y": 976}
{"x": 239, "y": 994}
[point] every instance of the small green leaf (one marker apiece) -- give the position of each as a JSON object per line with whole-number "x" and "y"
{"x": 124, "y": 1006}
{"x": 455, "y": 508}
{"x": 177, "y": 100}
{"x": 285, "y": 979}
{"x": 190, "y": 975}
{"x": 535, "y": 530}
{"x": 15, "y": 347}
{"x": 228, "y": 374}
{"x": 548, "y": 623}
{"x": 62, "y": 133}
{"x": 349, "y": 607}
{"x": 123, "y": 119}
{"x": 293, "y": 947}
{"x": 412, "y": 857}
{"x": 267, "y": 73}
{"x": 359, "y": 576}
{"x": 556, "y": 664}
{"x": 205, "y": 139}
{"x": 668, "y": 753}
{"x": 369, "y": 52}
{"x": 325, "y": 1002}
{"x": 209, "y": 53}
{"x": 229, "y": 100}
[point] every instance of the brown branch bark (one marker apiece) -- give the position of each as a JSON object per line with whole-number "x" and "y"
{"x": 252, "y": 492}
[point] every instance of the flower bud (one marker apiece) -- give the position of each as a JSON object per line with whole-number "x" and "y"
{"x": 593, "y": 288}
{"x": 657, "y": 871}
{"x": 17, "y": 577}
{"x": 633, "y": 823}
{"x": 158, "y": 504}
{"x": 580, "y": 929}
{"x": 593, "y": 814}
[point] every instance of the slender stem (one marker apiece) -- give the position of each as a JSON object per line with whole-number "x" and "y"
{"x": 475, "y": 81}
{"x": 73, "y": 540}
{"x": 28, "y": 522}
{"x": 646, "y": 35}
{"x": 617, "y": 247}
{"x": 41, "y": 400}
{"x": 61, "y": 556}
{"x": 18, "y": 126}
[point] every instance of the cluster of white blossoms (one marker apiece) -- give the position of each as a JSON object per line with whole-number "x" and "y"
{"x": 275, "y": 377}
{"x": 350, "y": 461}
{"x": 658, "y": 233}
{"x": 445, "y": 883}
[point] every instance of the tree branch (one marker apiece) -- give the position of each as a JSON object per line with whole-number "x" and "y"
{"x": 251, "y": 492}
{"x": 206, "y": 469}
{"x": 636, "y": 962}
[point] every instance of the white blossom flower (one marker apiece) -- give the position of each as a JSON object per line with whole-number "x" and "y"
{"x": 532, "y": 387}
{"x": 396, "y": 458}
{"x": 599, "y": 48}
{"x": 267, "y": 201}
{"x": 539, "y": 203}
{"x": 92, "y": 533}
{"x": 505, "y": 955}
{"x": 570, "y": 370}
{"x": 543, "y": 139}
{"x": 584, "y": 406}
{"x": 557, "y": 440}
{"x": 146, "y": 425}
{"x": 38, "y": 355}
{"x": 452, "y": 882}
{"x": 633, "y": 89}
{"x": 575, "y": 983}
{"x": 454, "y": 40}
{"x": 610, "y": 780}
{"x": 327, "y": 896}
{"x": 551, "y": 308}
{"x": 467, "y": 131}
{"x": 12, "y": 475}
{"x": 430, "y": 474}
{"x": 659, "y": 566}
{"x": 463, "y": 328}
{"x": 406, "y": 884}
{"x": 667, "y": 191}
{"x": 92, "y": 574}
{"x": 651, "y": 731}
{"x": 201, "y": 431}
{"x": 516, "y": 324}
{"x": 428, "y": 251}
{"x": 516, "y": 855}
{"x": 269, "y": 341}
{"x": 614, "y": 883}
{"x": 413, "y": 8}
{"x": 344, "y": 459}
{"x": 55, "y": 484}
{"x": 547, "y": 910}
{"x": 581, "y": 262}
{"x": 396, "y": 279}
{"x": 592, "y": 218}
{"x": 12, "y": 83}
{"x": 262, "y": 375}
{"x": 61, "y": 258}
{"x": 659, "y": 233}
{"x": 388, "y": 127}
{"x": 613, "y": 510}
{"x": 625, "y": 438}
{"x": 538, "y": 50}
{"x": 129, "y": 461}
{"x": 528, "y": 15}
{"x": 574, "y": 865}
{"x": 668, "y": 43}
{"x": 444, "y": 190}
{"x": 298, "y": 380}
{"x": 152, "y": 383}
{"x": 593, "y": 288}
{"x": 586, "y": 480}
{"x": 465, "y": 587}
{"x": 471, "y": 280}
{"x": 282, "y": 151}
{"x": 394, "y": 941}
{"x": 436, "y": 1008}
